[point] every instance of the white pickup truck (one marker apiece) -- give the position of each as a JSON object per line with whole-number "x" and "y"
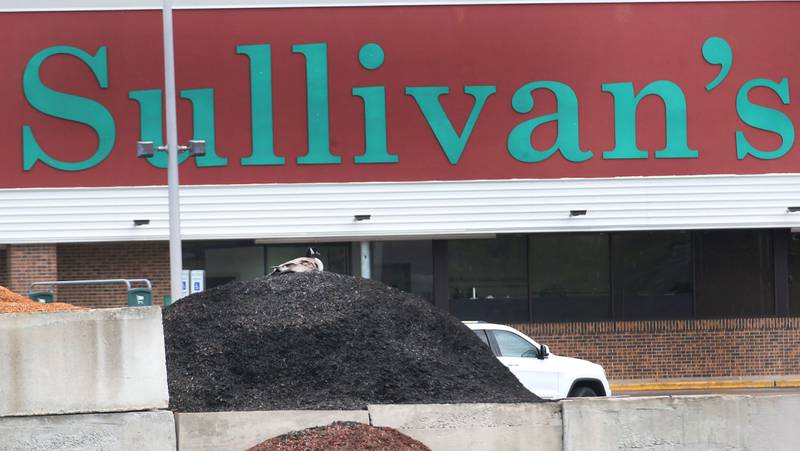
{"x": 547, "y": 375}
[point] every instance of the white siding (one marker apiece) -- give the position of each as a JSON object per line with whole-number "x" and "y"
{"x": 326, "y": 211}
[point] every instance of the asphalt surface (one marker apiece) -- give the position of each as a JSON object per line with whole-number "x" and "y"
{"x": 725, "y": 391}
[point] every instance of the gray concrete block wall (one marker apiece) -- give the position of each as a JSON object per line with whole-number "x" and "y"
{"x": 773, "y": 423}
{"x": 668, "y": 423}
{"x": 145, "y": 431}
{"x": 237, "y": 431}
{"x": 108, "y": 360}
{"x": 686, "y": 423}
{"x": 464, "y": 427}
{"x": 478, "y": 427}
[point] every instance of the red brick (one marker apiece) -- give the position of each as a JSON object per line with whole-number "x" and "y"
{"x": 131, "y": 260}
{"x": 679, "y": 348}
{"x": 28, "y": 263}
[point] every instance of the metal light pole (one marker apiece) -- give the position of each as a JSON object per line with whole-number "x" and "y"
{"x": 175, "y": 255}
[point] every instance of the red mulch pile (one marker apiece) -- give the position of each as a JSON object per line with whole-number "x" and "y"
{"x": 341, "y": 436}
{"x": 11, "y": 302}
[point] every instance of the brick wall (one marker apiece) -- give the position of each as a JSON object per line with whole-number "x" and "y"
{"x": 27, "y": 263}
{"x": 139, "y": 260}
{"x": 3, "y": 267}
{"x": 678, "y": 348}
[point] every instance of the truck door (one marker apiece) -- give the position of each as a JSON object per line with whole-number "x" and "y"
{"x": 521, "y": 358}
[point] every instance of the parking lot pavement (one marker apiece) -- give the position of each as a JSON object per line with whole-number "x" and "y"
{"x": 719, "y": 391}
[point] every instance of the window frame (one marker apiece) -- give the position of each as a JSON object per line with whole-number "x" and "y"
{"x": 485, "y": 339}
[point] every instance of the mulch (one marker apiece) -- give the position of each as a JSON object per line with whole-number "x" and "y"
{"x": 342, "y": 436}
{"x": 324, "y": 341}
{"x": 11, "y": 302}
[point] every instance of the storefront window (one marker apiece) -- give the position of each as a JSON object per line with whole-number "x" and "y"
{"x": 735, "y": 275}
{"x": 239, "y": 261}
{"x": 570, "y": 277}
{"x": 335, "y": 256}
{"x": 407, "y": 265}
{"x": 554, "y": 277}
{"x": 794, "y": 275}
{"x": 488, "y": 279}
{"x": 226, "y": 264}
{"x": 652, "y": 275}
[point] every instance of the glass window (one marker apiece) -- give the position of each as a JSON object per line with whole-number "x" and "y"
{"x": 226, "y": 264}
{"x": 652, "y": 274}
{"x": 488, "y": 279}
{"x": 482, "y": 335}
{"x": 794, "y": 274}
{"x": 512, "y": 345}
{"x": 570, "y": 277}
{"x": 407, "y": 265}
{"x": 335, "y": 256}
{"x": 735, "y": 273}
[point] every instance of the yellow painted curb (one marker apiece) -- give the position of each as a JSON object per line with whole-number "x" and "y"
{"x": 703, "y": 385}
{"x": 787, "y": 383}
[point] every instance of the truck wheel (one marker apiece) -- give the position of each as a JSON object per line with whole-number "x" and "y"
{"x": 582, "y": 392}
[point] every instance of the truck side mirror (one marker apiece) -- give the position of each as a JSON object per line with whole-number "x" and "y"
{"x": 544, "y": 351}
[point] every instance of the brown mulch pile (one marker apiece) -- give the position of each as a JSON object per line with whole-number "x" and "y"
{"x": 341, "y": 436}
{"x": 11, "y": 302}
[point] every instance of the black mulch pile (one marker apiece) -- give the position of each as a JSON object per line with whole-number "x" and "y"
{"x": 323, "y": 341}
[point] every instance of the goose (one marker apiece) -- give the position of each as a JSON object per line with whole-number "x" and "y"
{"x": 309, "y": 263}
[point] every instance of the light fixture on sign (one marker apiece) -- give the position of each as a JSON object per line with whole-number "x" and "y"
{"x": 792, "y": 209}
{"x": 577, "y": 213}
{"x": 362, "y": 217}
{"x": 140, "y": 222}
{"x": 146, "y": 149}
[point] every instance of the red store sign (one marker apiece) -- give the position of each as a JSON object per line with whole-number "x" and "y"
{"x": 404, "y": 93}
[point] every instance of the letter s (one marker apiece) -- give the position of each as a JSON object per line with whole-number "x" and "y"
{"x": 764, "y": 118}
{"x": 69, "y": 107}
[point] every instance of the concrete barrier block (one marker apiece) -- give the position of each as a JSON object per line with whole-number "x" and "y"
{"x": 773, "y": 423}
{"x": 152, "y": 431}
{"x": 108, "y": 360}
{"x": 237, "y": 431}
{"x": 477, "y": 427}
{"x": 686, "y": 423}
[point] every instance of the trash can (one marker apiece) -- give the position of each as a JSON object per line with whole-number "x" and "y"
{"x": 41, "y": 296}
{"x": 140, "y": 297}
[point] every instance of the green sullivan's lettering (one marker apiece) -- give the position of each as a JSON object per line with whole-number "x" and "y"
{"x": 519, "y": 140}
{"x": 203, "y": 128}
{"x": 371, "y": 58}
{"x": 625, "y": 105}
{"x": 151, "y": 116}
{"x": 319, "y": 151}
{"x": 765, "y": 119}
{"x": 69, "y": 107}
{"x": 260, "y": 106}
{"x": 150, "y": 124}
{"x": 452, "y": 143}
